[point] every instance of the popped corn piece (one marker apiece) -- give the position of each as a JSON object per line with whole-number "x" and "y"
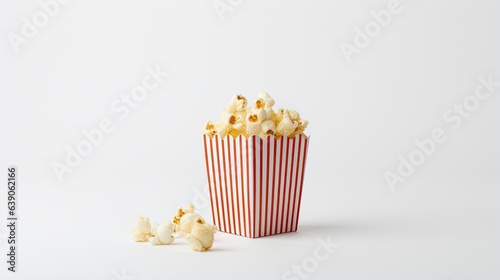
{"x": 260, "y": 123}
{"x": 268, "y": 127}
{"x": 142, "y": 230}
{"x": 264, "y": 100}
{"x": 262, "y": 113}
{"x": 254, "y": 124}
{"x": 286, "y": 126}
{"x": 238, "y": 103}
{"x": 231, "y": 123}
{"x": 294, "y": 115}
{"x": 181, "y": 212}
{"x": 210, "y": 129}
{"x": 302, "y": 125}
{"x": 278, "y": 116}
{"x": 223, "y": 131}
{"x": 269, "y": 113}
{"x": 201, "y": 237}
{"x": 186, "y": 223}
{"x": 163, "y": 234}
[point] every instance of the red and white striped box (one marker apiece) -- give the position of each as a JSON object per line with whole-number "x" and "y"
{"x": 255, "y": 184}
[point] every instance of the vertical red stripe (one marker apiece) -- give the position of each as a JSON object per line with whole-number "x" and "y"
{"x": 248, "y": 192}
{"x": 266, "y": 220}
{"x": 219, "y": 225}
{"x": 290, "y": 185}
{"x": 242, "y": 186}
{"x": 236, "y": 177}
{"x": 261, "y": 162}
{"x": 280, "y": 187}
{"x": 272, "y": 221}
{"x": 284, "y": 182}
{"x": 296, "y": 179}
{"x": 306, "y": 147}
{"x": 226, "y": 204}
{"x": 231, "y": 166}
{"x": 208, "y": 176}
{"x": 254, "y": 154}
{"x": 220, "y": 184}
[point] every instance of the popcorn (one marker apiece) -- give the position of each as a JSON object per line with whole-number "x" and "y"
{"x": 201, "y": 236}
{"x": 181, "y": 212}
{"x": 237, "y": 103}
{"x": 210, "y": 129}
{"x": 186, "y": 220}
{"x": 163, "y": 234}
{"x": 256, "y": 120}
{"x": 278, "y": 116}
{"x": 194, "y": 229}
{"x": 264, "y": 100}
{"x": 231, "y": 123}
{"x": 268, "y": 127}
{"x": 294, "y": 115}
{"x": 259, "y": 119}
{"x": 142, "y": 230}
{"x": 300, "y": 128}
{"x": 186, "y": 223}
{"x": 254, "y": 124}
{"x": 286, "y": 126}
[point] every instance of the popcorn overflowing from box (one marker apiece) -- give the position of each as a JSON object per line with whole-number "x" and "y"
{"x": 259, "y": 119}
{"x": 255, "y": 160}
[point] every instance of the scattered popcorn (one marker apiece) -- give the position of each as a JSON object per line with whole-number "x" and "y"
{"x": 193, "y": 228}
{"x": 142, "y": 230}
{"x": 186, "y": 223}
{"x": 201, "y": 236}
{"x": 259, "y": 119}
{"x": 163, "y": 234}
{"x": 181, "y": 212}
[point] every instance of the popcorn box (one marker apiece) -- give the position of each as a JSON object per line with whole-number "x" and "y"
{"x": 255, "y": 184}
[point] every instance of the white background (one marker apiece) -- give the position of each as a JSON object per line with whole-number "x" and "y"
{"x": 443, "y": 222}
